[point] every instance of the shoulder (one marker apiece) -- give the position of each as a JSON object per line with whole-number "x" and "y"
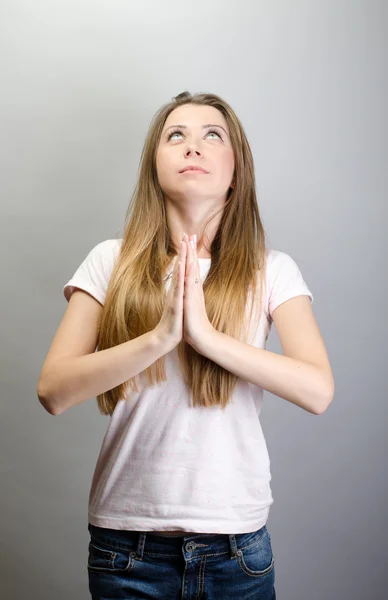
{"x": 104, "y": 254}
{"x": 281, "y": 264}
{"x": 277, "y": 259}
{"x": 107, "y": 248}
{"x": 94, "y": 272}
{"x": 284, "y": 278}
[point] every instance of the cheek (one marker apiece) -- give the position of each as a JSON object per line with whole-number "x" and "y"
{"x": 230, "y": 161}
{"x": 165, "y": 172}
{"x": 227, "y": 165}
{"x": 158, "y": 160}
{"x": 165, "y": 156}
{"x": 161, "y": 164}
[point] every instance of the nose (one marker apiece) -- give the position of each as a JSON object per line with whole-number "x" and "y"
{"x": 192, "y": 150}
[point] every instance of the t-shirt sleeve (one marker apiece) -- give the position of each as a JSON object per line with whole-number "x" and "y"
{"x": 285, "y": 280}
{"x": 92, "y": 276}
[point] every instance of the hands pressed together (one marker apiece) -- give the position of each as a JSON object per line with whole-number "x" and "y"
{"x": 184, "y": 315}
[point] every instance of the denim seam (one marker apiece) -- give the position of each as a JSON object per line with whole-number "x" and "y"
{"x": 109, "y": 545}
{"x": 160, "y": 554}
{"x": 201, "y": 578}
{"x": 184, "y": 579}
{"x": 255, "y": 573}
{"x": 255, "y": 543}
{"x": 115, "y": 546}
{"x": 140, "y": 545}
{"x": 112, "y": 555}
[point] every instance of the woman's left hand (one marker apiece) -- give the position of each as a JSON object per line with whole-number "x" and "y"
{"x": 196, "y": 325}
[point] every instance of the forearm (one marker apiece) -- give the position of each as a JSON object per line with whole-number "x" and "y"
{"x": 71, "y": 381}
{"x": 298, "y": 382}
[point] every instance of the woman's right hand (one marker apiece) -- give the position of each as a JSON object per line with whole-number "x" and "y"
{"x": 170, "y": 326}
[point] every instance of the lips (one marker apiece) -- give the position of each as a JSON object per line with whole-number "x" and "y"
{"x": 193, "y": 168}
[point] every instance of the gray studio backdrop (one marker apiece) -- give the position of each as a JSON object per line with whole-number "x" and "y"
{"x": 80, "y": 83}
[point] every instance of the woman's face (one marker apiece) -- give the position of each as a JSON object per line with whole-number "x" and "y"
{"x": 194, "y": 144}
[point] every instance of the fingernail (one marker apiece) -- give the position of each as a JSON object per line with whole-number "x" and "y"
{"x": 192, "y": 244}
{"x": 195, "y": 238}
{"x": 183, "y": 237}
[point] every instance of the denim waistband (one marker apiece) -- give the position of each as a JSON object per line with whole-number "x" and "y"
{"x": 145, "y": 542}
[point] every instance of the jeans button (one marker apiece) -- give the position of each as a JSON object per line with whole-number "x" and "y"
{"x": 190, "y": 546}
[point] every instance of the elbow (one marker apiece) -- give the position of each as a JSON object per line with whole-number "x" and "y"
{"x": 47, "y": 402}
{"x": 47, "y": 406}
{"x": 323, "y": 402}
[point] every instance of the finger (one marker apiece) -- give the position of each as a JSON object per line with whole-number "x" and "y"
{"x": 180, "y": 274}
{"x": 195, "y": 254}
{"x": 175, "y": 266}
{"x": 190, "y": 241}
{"x": 182, "y": 258}
{"x": 190, "y": 258}
{"x": 196, "y": 266}
{"x": 194, "y": 258}
{"x": 178, "y": 260}
{"x": 187, "y": 261}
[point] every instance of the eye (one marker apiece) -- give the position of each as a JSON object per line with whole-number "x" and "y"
{"x": 216, "y": 132}
{"x": 169, "y": 136}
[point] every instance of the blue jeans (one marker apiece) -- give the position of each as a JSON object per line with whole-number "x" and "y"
{"x": 135, "y": 564}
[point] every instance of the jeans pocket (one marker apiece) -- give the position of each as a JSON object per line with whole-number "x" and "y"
{"x": 257, "y": 559}
{"x": 105, "y": 558}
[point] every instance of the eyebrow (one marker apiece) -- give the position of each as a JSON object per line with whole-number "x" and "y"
{"x": 203, "y": 127}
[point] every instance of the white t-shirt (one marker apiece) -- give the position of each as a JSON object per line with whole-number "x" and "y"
{"x": 165, "y": 465}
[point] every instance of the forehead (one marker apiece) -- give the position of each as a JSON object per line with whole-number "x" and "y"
{"x": 193, "y": 115}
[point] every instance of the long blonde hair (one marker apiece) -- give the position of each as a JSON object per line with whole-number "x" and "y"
{"x": 136, "y": 293}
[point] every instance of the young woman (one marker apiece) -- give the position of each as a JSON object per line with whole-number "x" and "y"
{"x": 180, "y": 310}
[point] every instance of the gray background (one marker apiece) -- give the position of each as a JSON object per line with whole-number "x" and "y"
{"x": 80, "y": 83}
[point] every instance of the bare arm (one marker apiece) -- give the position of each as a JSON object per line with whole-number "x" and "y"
{"x": 72, "y": 380}
{"x": 73, "y": 372}
{"x": 302, "y": 376}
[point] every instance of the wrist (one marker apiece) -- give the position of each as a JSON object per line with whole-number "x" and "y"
{"x": 163, "y": 340}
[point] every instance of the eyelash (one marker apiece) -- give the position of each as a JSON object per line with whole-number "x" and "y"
{"x": 179, "y": 131}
